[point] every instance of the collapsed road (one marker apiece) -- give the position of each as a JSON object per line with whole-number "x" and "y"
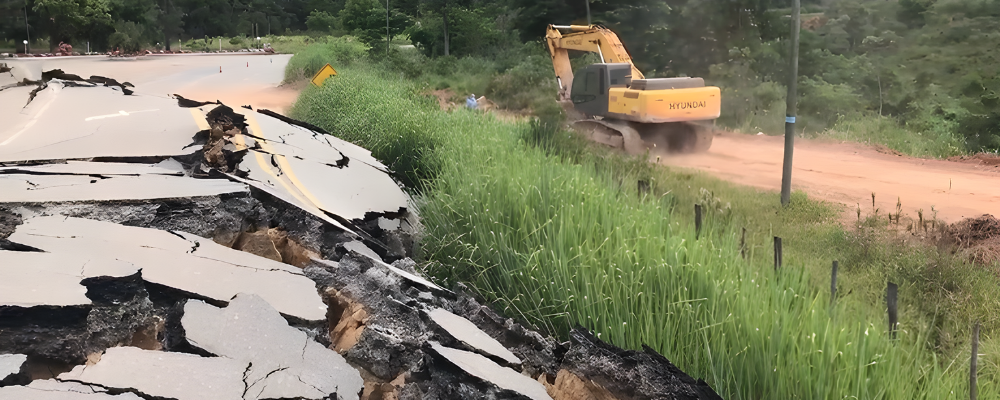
{"x": 157, "y": 247}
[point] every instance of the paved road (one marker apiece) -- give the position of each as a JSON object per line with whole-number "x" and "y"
{"x": 319, "y": 173}
{"x": 246, "y": 79}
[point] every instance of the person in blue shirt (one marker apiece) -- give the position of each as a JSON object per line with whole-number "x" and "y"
{"x": 471, "y": 103}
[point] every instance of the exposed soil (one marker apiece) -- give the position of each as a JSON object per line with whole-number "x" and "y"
{"x": 977, "y": 238}
{"x": 444, "y": 99}
{"x": 978, "y": 159}
{"x": 848, "y": 173}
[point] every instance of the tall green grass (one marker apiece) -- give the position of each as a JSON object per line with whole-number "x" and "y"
{"x": 560, "y": 238}
{"x": 917, "y": 141}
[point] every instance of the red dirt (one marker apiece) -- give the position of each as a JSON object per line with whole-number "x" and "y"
{"x": 848, "y": 173}
{"x": 978, "y": 159}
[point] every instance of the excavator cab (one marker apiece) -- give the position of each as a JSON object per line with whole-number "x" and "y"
{"x": 591, "y": 86}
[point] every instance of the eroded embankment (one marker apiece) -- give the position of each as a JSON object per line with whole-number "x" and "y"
{"x": 196, "y": 251}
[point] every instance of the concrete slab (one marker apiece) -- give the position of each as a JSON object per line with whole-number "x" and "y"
{"x": 284, "y": 362}
{"x": 96, "y": 168}
{"x": 468, "y": 333}
{"x": 14, "y": 99}
{"x": 489, "y": 371}
{"x": 165, "y": 375}
{"x": 29, "y": 279}
{"x": 17, "y": 188}
{"x": 305, "y": 164}
{"x": 411, "y": 277}
{"x": 359, "y": 247}
{"x": 207, "y": 248}
{"x": 105, "y": 123}
{"x": 287, "y": 195}
{"x": 55, "y": 393}
{"x": 307, "y": 143}
{"x": 350, "y": 192}
{"x": 291, "y": 140}
{"x": 176, "y": 260}
{"x": 54, "y": 385}
{"x": 10, "y": 364}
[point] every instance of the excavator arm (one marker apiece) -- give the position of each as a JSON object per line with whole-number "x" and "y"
{"x": 590, "y": 38}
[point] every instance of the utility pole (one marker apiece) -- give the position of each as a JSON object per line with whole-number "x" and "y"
{"x": 790, "y": 106}
{"x": 588, "y": 12}
{"x": 27, "y": 43}
{"x": 387, "y": 28}
{"x": 446, "y": 41}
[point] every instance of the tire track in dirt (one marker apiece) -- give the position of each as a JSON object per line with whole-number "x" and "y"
{"x": 848, "y": 173}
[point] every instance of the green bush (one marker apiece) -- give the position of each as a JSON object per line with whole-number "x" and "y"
{"x": 127, "y": 37}
{"x": 748, "y": 104}
{"x": 410, "y": 63}
{"x": 321, "y": 21}
{"x": 821, "y": 104}
{"x": 337, "y": 51}
{"x": 873, "y": 129}
{"x": 529, "y": 85}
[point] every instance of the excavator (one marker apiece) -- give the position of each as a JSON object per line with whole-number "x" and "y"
{"x": 613, "y": 103}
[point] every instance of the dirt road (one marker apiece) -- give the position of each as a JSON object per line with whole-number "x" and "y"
{"x": 849, "y": 173}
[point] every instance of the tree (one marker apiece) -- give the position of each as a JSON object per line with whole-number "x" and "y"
{"x": 321, "y": 21}
{"x": 170, "y": 20}
{"x": 66, "y": 20}
{"x": 479, "y": 29}
{"x": 128, "y": 37}
{"x": 366, "y": 19}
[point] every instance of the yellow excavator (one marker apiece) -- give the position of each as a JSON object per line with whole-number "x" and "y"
{"x": 615, "y": 104}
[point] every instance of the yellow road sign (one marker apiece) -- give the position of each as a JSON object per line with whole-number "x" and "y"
{"x": 325, "y": 72}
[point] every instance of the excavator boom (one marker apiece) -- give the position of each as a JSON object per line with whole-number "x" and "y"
{"x": 589, "y": 38}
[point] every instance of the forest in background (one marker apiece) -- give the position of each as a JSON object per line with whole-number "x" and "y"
{"x": 919, "y": 76}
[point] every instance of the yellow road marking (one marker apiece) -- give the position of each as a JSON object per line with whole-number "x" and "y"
{"x": 282, "y": 162}
{"x": 202, "y": 122}
{"x": 199, "y": 119}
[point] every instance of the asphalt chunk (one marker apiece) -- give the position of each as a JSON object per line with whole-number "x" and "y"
{"x": 489, "y": 371}
{"x": 178, "y": 260}
{"x": 164, "y": 375}
{"x": 284, "y": 362}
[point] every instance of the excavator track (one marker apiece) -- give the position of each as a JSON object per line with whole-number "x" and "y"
{"x": 638, "y": 138}
{"x": 676, "y": 137}
{"x": 617, "y": 134}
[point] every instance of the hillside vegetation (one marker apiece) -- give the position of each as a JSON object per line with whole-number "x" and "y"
{"x": 558, "y": 233}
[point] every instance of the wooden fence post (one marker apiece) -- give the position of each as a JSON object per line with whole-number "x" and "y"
{"x": 777, "y": 253}
{"x": 890, "y": 300}
{"x": 973, "y": 389}
{"x": 697, "y": 221}
{"x": 743, "y": 243}
{"x": 833, "y": 283}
